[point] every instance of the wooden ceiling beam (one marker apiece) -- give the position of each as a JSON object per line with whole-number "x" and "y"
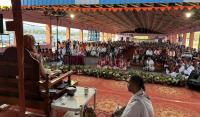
{"x": 135, "y": 15}
{"x": 113, "y": 18}
{"x": 147, "y": 19}
{"x": 132, "y": 17}
{"x": 143, "y": 17}
{"x": 160, "y": 22}
{"x": 124, "y": 19}
{"x": 132, "y": 20}
{"x": 153, "y": 20}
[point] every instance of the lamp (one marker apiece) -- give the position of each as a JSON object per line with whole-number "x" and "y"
{"x": 59, "y": 13}
{"x": 188, "y": 14}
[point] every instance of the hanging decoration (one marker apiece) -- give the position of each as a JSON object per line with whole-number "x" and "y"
{"x": 101, "y": 8}
{"x": 114, "y": 9}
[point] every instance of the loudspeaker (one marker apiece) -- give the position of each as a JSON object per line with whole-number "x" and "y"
{"x": 1, "y": 23}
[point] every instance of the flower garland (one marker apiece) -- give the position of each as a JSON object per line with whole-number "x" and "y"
{"x": 120, "y": 75}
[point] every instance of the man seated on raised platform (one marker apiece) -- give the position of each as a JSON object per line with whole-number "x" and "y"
{"x": 102, "y": 63}
{"x": 139, "y": 104}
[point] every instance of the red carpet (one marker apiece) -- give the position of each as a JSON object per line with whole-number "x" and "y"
{"x": 167, "y": 101}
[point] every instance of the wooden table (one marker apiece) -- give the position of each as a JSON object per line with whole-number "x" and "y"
{"x": 76, "y": 103}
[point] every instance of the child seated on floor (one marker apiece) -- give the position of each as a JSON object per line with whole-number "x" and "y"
{"x": 106, "y": 64}
{"x": 102, "y": 63}
{"x": 99, "y": 62}
{"x": 116, "y": 63}
{"x": 122, "y": 63}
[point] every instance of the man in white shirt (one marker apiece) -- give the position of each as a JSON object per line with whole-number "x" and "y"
{"x": 139, "y": 104}
{"x": 149, "y": 65}
{"x": 189, "y": 70}
{"x": 182, "y": 67}
{"x": 149, "y": 52}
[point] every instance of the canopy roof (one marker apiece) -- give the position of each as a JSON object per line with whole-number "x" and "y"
{"x": 162, "y": 18}
{"x": 81, "y": 2}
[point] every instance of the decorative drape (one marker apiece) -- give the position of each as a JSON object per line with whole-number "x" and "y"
{"x": 113, "y": 9}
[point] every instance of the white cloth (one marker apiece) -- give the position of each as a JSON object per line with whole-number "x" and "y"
{"x": 138, "y": 106}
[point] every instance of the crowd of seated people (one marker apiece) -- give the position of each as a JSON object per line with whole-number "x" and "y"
{"x": 165, "y": 56}
{"x": 94, "y": 48}
{"x": 118, "y": 62}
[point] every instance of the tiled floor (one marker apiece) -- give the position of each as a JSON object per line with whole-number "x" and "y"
{"x": 167, "y": 101}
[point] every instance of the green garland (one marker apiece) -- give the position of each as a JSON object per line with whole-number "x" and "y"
{"x": 149, "y": 77}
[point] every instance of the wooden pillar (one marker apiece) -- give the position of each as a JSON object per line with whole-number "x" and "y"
{"x": 48, "y": 32}
{"x": 80, "y": 35}
{"x": 14, "y": 39}
{"x": 184, "y": 38}
{"x": 113, "y": 37}
{"x": 199, "y": 43}
{"x": 68, "y": 33}
{"x": 103, "y": 37}
{"x": 106, "y": 37}
{"x": 110, "y": 36}
{"x": 191, "y": 39}
{"x": 169, "y": 38}
{"x": 174, "y": 38}
{"x": 17, "y": 26}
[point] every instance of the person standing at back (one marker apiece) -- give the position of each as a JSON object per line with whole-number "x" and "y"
{"x": 139, "y": 104}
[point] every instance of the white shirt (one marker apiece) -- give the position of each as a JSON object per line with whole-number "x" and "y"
{"x": 189, "y": 70}
{"x": 103, "y": 49}
{"x": 150, "y": 62}
{"x": 149, "y": 52}
{"x": 88, "y": 48}
{"x": 182, "y": 68}
{"x": 138, "y": 106}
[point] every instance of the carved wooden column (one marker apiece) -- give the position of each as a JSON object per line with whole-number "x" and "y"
{"x": 80, "y": 35}
{"x": 68, "y": 33}
{"x": 184, "y": 39}
{"x": 17, "y": 26}
{"x": 48, "y": 31}
{"x": 191, "y": 39}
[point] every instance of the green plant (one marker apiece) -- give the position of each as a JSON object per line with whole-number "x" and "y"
{"x": 148, "y": 77}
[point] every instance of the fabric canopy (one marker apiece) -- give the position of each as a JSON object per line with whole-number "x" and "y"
{"x": 71, "y": 2}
